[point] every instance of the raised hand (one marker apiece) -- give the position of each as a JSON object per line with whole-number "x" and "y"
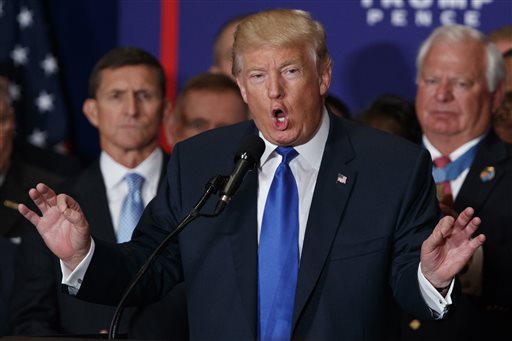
{"x": 62, "y": 225}
{"x": 445, "y": 252}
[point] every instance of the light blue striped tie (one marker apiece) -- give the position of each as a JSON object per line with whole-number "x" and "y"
{"x": 133, "y": 206}
{"x": 278, "y": 253}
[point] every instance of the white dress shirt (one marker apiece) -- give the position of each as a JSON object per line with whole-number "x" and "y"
{"x": 117, "y": 189}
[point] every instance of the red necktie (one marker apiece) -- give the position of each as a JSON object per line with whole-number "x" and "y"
{"x": 444, "y": 190}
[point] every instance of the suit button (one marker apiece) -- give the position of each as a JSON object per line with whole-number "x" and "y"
{"x": 415, "y": 324}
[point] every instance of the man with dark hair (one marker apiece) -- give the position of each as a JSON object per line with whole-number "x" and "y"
{"x": 393, "y": 114}
{"x": 126, "y": 104}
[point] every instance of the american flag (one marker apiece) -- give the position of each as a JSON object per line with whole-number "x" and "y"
{"x": 342, "y": 179}
{"x": 37, "y": 95}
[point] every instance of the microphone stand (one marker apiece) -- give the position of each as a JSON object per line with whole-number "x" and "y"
{"x": 211, "y": 187}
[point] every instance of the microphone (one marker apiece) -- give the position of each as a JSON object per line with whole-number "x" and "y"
{"x": 247, "y": 157}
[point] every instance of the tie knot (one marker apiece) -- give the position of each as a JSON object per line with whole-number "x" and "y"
{"x": 288, "y": 153}
{"x": 134, "y": 181}
{"x": 442, "y": 161}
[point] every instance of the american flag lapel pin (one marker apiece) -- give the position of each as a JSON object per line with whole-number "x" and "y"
{"x": 342, "y": 179}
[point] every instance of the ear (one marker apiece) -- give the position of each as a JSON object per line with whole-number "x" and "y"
{"x": 90, "y": 109}
{"x": 498, "y": 96}
{"x": 242, "y": 88}
{"x": 325, "y": 80}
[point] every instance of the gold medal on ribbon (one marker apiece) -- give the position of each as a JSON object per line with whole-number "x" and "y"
{"x": 487, "y": 174}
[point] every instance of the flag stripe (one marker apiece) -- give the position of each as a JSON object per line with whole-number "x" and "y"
{"x": 169, "y": 52}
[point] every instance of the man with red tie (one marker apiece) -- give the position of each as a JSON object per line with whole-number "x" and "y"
{"x": 460, "y": 86}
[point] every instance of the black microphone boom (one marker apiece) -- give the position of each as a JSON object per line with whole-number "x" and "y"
{"x": 246, "y": 158}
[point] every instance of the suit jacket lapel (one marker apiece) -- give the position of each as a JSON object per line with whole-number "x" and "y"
{"x": 91, "y": 193}
{"x": 242, "y": 230}
{"x": 490, "y": 154}
{"x": 331, "y": 194}
{"x": 244, "y": 244}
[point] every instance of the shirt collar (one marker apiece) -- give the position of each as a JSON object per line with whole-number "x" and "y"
{"x": 435, "y": 153}
{"x": 312, "y": 150}
{"x": 113, "y": 172}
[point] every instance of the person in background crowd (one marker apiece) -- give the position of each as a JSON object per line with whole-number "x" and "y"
{"x": 223, "y": 47}
{"x": 16, "y": 177}
{"x": 206, "y": 102}
{"x": 502, "y": 38}
{"x": 367, "y": 240}
{"x": 460, "y": 80}
{"x": 63, "y": 165}
{"x": 337, "y": 106}
{"x": 502, "y": 121}
{"x": 393, "y": 114}
{"x": 126, "y": 104}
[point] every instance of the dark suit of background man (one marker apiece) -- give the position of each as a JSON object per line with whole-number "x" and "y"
{"x": 126, "y": 103}
{"x": 366, "y": 207}
{"x": 16, "y": 177}
{"x": 460, "y": 86}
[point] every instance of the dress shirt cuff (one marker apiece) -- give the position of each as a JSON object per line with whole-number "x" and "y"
{"x": 438, "y": 304}
{"x": 72, "y": 279}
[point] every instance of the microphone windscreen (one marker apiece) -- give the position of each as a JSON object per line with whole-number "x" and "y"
{"x": 253, "y": 146}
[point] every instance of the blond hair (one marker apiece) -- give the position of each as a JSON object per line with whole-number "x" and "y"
{"x": 281, "y": 28}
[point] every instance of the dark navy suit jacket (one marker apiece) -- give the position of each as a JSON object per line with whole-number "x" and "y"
{"x": 42, "y": 309}
{"x": 19, "y": 179}
{"x": 360, "y": 255}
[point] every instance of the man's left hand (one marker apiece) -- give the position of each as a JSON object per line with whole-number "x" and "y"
{"x": 445, "y": 252}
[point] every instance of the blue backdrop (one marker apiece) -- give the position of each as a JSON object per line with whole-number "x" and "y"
{"x": 373, "y": 42}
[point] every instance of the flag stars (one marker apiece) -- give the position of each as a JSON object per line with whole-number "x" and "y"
{"x": 49, "y": 65}
{"x": 38, "y": 138}
{"x": 25, "y": 18}
{"x": 44, "y": 102}
{"x": 19, "y": 55}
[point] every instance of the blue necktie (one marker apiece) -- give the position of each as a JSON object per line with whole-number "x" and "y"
{"x": 133, "y": 206}
{"x": 278, "y": 254}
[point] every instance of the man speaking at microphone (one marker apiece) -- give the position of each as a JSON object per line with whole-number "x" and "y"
{"x": 327, "y": 240}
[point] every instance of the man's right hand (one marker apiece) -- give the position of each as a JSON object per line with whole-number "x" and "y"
{"x": 62, "y": 226}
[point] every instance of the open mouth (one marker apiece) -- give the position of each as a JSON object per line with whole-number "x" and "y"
{"x": 280, "y": 119}
{"x": 279, "y": 115}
